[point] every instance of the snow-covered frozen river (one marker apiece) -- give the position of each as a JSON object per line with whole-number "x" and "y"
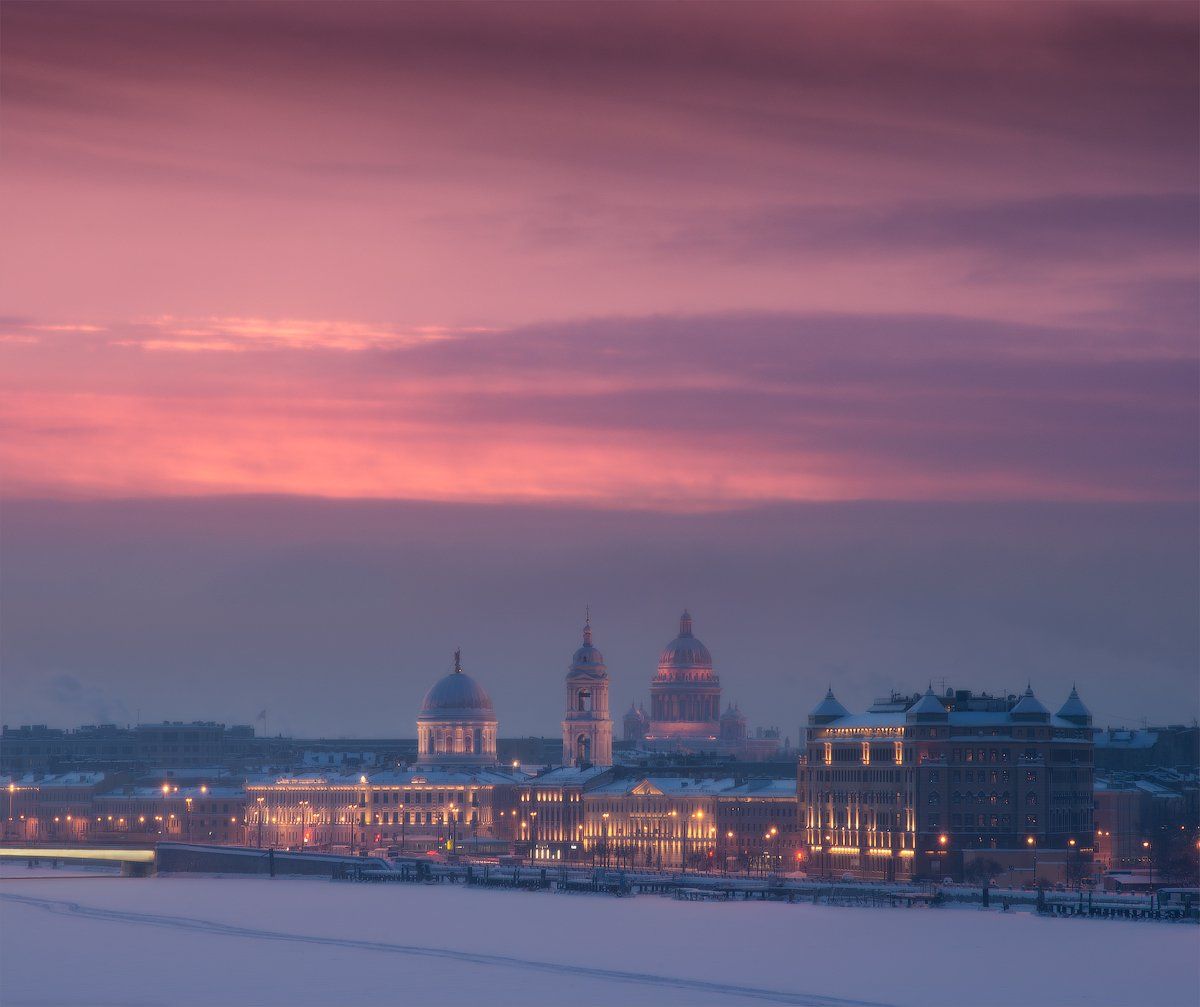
{"x": 197, "y": 940}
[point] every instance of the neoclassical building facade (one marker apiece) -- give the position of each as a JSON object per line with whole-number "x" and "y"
{"x": 456, "y": 795}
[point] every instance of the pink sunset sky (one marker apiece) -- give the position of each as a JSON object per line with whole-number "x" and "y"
{"x": 611, "y": 263}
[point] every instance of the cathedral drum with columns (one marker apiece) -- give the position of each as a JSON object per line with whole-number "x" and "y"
{"x": 457, "y": 724}
{"x": 587, "y": 727}
{"x": 685, "y": 695}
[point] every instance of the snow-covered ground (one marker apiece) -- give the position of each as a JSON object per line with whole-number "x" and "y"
{"x": 198, "y": 940}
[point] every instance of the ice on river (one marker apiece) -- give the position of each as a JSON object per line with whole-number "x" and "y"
{"x": 103, "y": 940}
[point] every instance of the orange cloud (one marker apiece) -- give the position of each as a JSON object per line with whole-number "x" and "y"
{"x": 234, "y": 334}
{"x": 674, "y": 414}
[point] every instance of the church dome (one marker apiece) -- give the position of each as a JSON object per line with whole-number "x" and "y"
{"x": 457, "y": 696}
{"x": 685, "y": 656}
{"x": 587, "y": 661}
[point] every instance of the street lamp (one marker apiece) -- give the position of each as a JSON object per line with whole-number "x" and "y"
{"x": 12, "y": 789}
{"x": 1150, "y": 858}
{"x": 261, "y": 802}
{"x": 604, "y": 819}
{"x": 303, "y": 824}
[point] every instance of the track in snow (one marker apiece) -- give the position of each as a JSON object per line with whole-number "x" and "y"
{"x": 501, "y": 961}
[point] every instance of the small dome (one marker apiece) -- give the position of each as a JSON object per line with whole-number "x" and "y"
{"x": 587, "y": 661}
{"x": 733, "y": 713}
{"x": 685, "y": 653}
{"x": 927, "y": 705}
{"x": 457, "y": 696}
{"x": 636, "y": 713}
{"x": 1073, "y": 709}
{"x": 1029, "y": 705}
{"x": 829, "y": 708}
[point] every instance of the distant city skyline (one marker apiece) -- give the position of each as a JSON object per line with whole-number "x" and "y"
{"x": 302, "y": 607}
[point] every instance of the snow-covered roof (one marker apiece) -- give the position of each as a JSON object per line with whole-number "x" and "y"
{"x": 1074, "y": 707}
{"x": 955, "y": 718}
{"x": 671, "y": 786}
{"x": 829, "y": 707}
{"x": 763, "y": 788}
{"x": 1029, "y": 705}
{"x": 44, "y": 780}
{"x": 567, "y": 775}
{"x": 926, "y": 705}
{"x": 443, "y": 777}
{"x": 175, "y": 794}
{"x": 1126, "y": 739}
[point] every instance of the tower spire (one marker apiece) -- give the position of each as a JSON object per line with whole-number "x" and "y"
{"x": 458, "y": 660}
{"x": 587, "y": 625}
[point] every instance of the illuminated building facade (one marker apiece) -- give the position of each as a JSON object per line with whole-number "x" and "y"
{"x": 928, "y": 786}
{"x": 44, "y": 807}
{"x": 451, "y": 798}
{"x": 758, "y": 827}
{"x": 663, "y": 823}
{"x": 548, "y": 821}
{"x": 587, "y": 726}
{"x": 197, "y": 813}
{"x": 416, "y": 810}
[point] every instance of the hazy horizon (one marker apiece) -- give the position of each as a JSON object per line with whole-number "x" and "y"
{"x": 219, "y": 608}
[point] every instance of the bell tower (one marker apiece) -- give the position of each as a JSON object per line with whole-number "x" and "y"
{"x": 587, "y": 726}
